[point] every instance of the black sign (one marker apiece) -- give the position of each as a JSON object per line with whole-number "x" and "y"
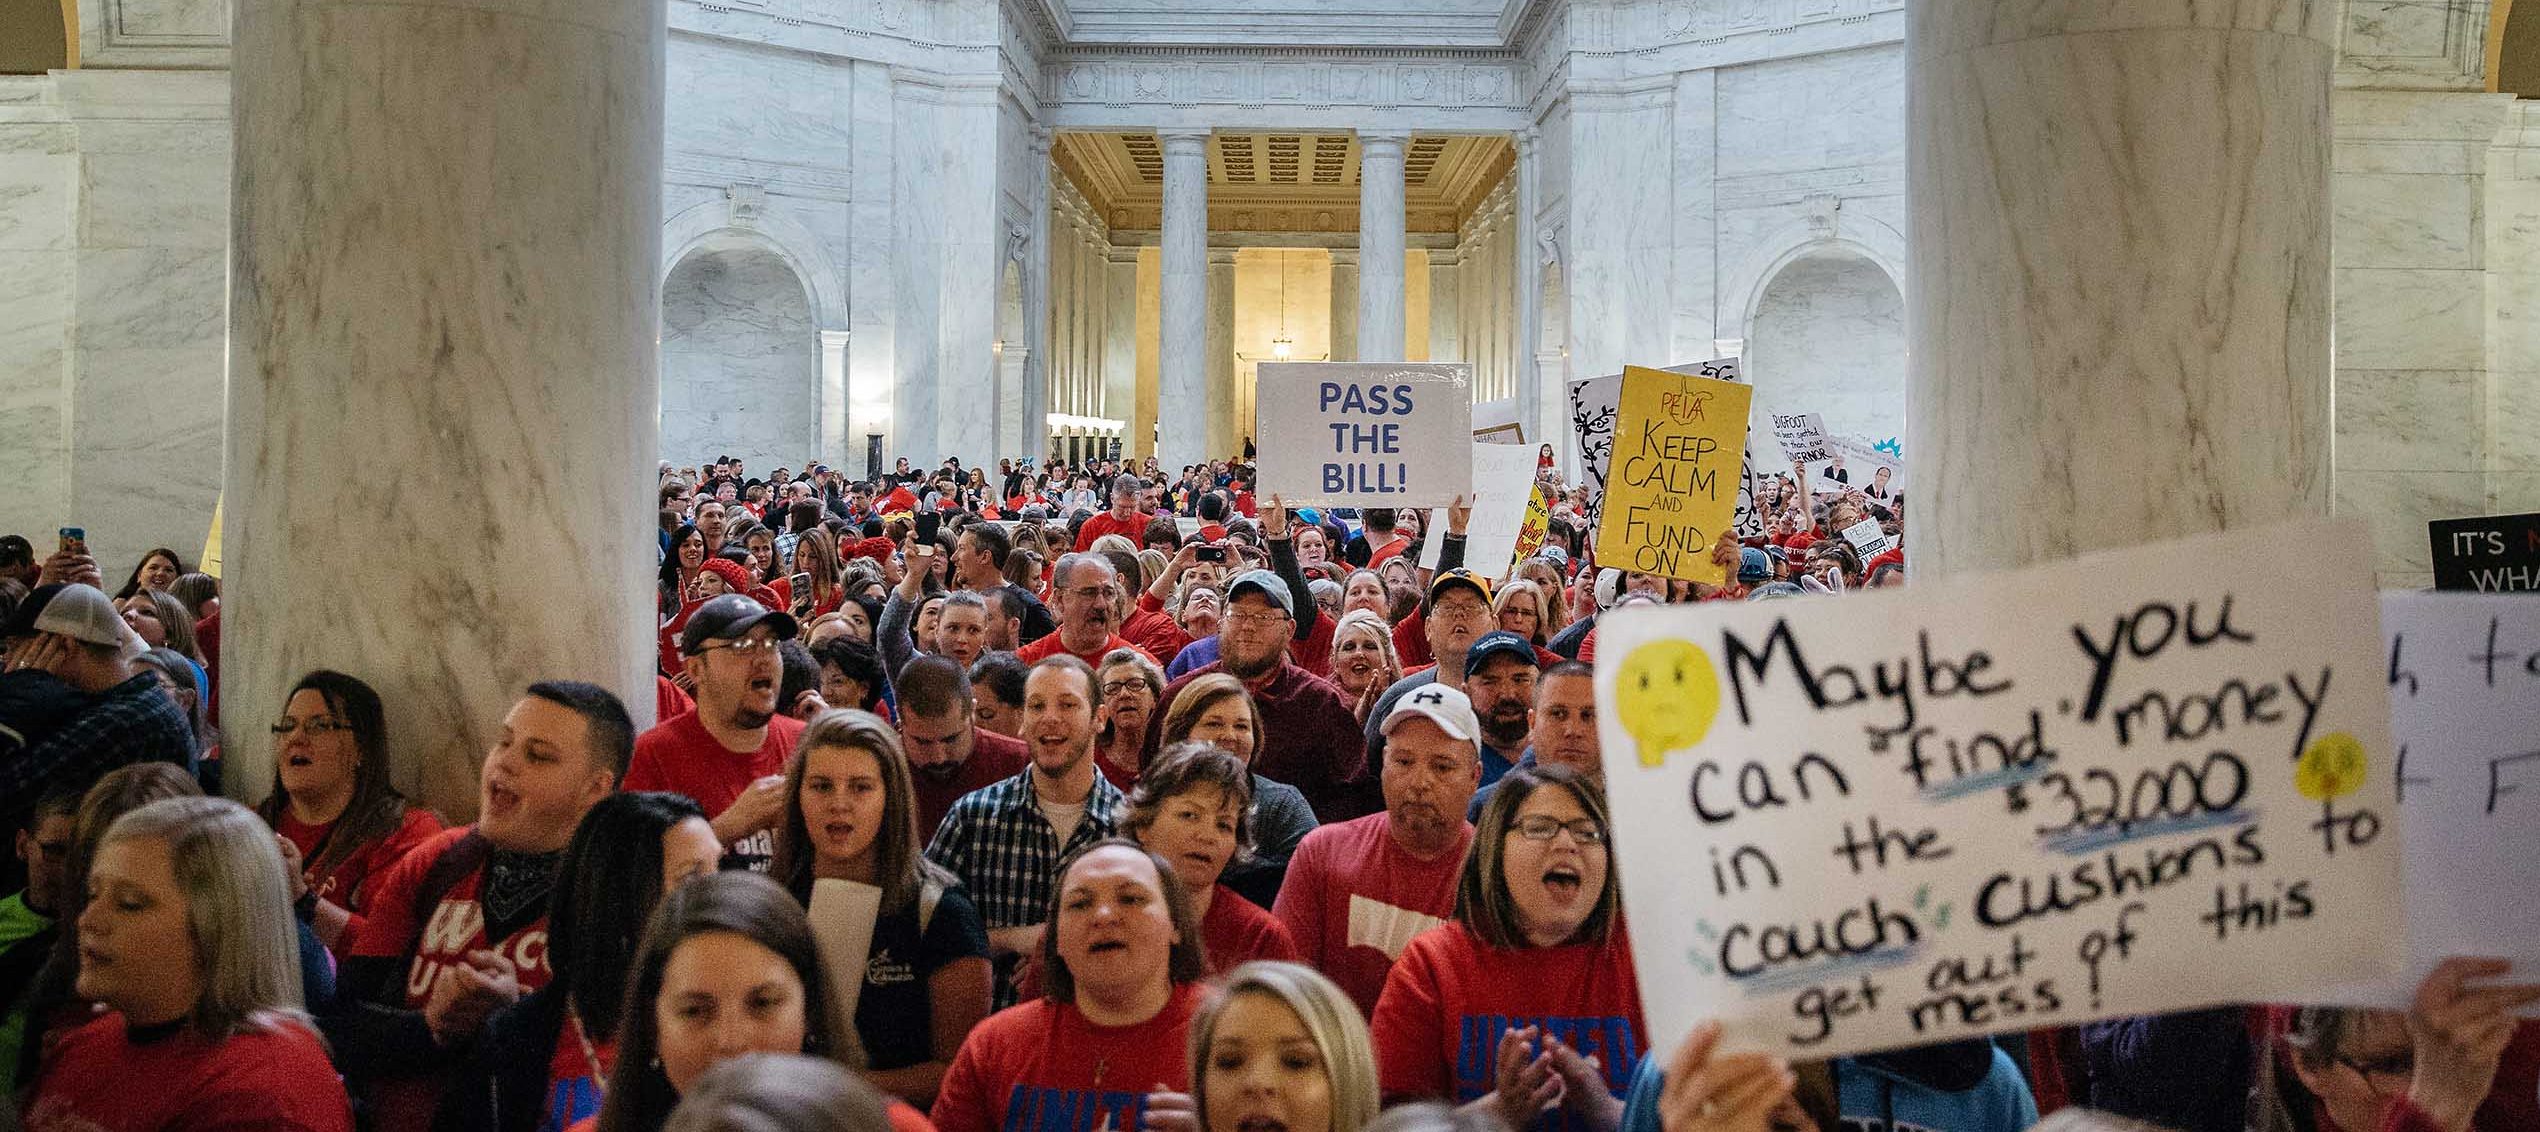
{"x": 2495, "y": 554}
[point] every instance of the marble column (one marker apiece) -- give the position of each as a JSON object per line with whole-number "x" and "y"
{"x": 1182, "y": 409}
{"x": 1539, "y": 394}
{"x": 2127, "y": 340}
{"x": 833, "y": 398}
{"x": 1120, "y": 334}
{"x": 1345, "y": 304}
{"x": 1446, "y": 323}
{"x": 1225, "y": 433}
{"x": 1381, "y": 309}
{"x": 1026, "y": 430}
{"x": 442, "y": 370}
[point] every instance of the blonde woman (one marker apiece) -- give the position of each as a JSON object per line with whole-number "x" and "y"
{"x": 1519, "y": 608}
{"x": 1282, "y": 1046}
{"x": 1363, "y": 661}
{"x": 190, "y": 947}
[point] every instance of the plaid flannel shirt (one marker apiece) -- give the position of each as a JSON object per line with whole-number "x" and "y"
{"x": 134, "y": 721}
{"x": 1006, "y": 852}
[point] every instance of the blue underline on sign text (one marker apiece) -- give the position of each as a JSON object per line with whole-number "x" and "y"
{"x": 2092, "y": 840}
{"x": 1957, "y": 788}
{"x": 1792, "y": 978}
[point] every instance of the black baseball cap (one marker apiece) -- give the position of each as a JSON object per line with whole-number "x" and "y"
{"x": 730, "y": 617}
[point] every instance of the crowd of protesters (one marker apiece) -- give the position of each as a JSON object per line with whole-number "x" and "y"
{"x": 1047, "y": 798}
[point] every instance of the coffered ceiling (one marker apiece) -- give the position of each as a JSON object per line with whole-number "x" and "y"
{"x": 1283, "y": 182}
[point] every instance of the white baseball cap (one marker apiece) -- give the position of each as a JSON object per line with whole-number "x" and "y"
{"x": 1447, "y": 707}
{"x": 81, "y": 612}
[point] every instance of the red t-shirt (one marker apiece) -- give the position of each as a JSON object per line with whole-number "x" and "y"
{"x": 1050, "y": 646}
{"x": 1354, "y": 898}
{"x": 347, "y": 884}
{"x": 1041, "y": 1065}
{"x": 453, "y": 928}
{"x": 1451, "y": 996}
{"x": 993, "y": 759}
{"x": 1378, "y": 554}
{"x": 273, "y": 1080}
{"x": 1237, "y": 931}
{"x": 1133, "y": 528}
{"x": 681, "y": 756}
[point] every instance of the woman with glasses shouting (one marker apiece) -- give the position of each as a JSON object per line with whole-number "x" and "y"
{"x": 339, "y": 820}
{"x": 1524, "y": 1006}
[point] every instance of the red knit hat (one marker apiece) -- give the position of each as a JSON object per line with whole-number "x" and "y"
{"x": 736, "y": 577}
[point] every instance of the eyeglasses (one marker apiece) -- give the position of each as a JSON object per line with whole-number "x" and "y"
{"x": 1263, "y": 620}
{"x": 1123, "y": 687}
{"x": 1541, "y": 827}
{"x": 318, "y": 726}
{"x": 745, "y": 646}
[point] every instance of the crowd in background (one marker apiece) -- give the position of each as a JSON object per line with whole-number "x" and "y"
{"x": 1048, "y": 797}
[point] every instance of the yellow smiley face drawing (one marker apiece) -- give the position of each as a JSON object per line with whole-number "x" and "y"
{"x": 2333, "y": 766}
{"x": 1666, "y": 694}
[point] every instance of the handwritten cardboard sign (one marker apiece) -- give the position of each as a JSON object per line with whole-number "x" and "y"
{"x": 2495, "y": 554}
{"x": 2116, "y": 785}
{"x": 1595, "y": 402}
{"x": 1390, "y": 434}
{"x": 2464, "y": 681}
{"x": 1671, "y": 493}
{"x": 1802, "y": 437}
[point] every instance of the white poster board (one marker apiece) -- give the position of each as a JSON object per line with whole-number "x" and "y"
{"x": 2464, "y": 681}
{"x": 1503, "y": 481}
{"x": 1497, "y": 422}
{"x": 2116, "y": 785}
{"x": 1868, "y": 539}
{"x": 1802, "y": 437}
{"x": 1862, "y": 459}
{"x": 1365, "y": 434}
{"x": 842, "y": 915}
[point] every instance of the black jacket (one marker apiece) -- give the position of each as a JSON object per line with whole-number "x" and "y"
{"x": 502, "y": 1085}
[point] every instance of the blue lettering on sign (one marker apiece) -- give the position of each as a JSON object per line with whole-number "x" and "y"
{"x": 1032, "y": 1109}
{"x": 1609, "y": 1038}
{"x": 1370, "y": 400}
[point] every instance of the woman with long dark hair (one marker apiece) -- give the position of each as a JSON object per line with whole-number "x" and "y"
{"x": 340, "y": 818}
{"x": 726, "y": 967}
{"x": 679, "y": 568}
{"x": 538, "y": 1064}
{"x": 157, "y": 570}
{"x": 851, "y": 817}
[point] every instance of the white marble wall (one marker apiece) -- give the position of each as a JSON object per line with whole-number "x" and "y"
{"x": 740, "y": 361}
{"x": 1829, "y": 338}
{"x": 2412, "y": 253}
{"x": 113, "y": 236}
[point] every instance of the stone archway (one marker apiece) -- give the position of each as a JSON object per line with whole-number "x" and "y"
{"x": 740, "y": 359}
{"x": 1828, "y": 337}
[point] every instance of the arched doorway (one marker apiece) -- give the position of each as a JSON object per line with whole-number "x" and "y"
{"x": 740, "y": 359}
{"x": 1828, "y": 337}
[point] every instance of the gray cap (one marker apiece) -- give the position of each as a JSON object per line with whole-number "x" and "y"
{"x": 81, "y": 612}
{"x": 1266, "y": 584}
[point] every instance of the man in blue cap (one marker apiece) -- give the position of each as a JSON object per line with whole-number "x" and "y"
{"x": 1499, "y": 676}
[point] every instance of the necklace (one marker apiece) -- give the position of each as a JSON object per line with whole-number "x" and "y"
{"x": 590, "y": 1056}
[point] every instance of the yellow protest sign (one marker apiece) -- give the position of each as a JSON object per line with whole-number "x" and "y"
{"x": 211, "y": 542}
{"x": 1671, "y": 490}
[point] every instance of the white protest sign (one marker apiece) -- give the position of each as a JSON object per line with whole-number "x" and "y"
{"x": 1862, "y": 460}
{"x": 1496, "y": 422}
{"x": 1867, "y": 539}
{"x": 2464, "y": 681}
{"x": 1503, "y": 482}
{"x": 1374, "y": 434}
{"x": 2116, "y": 785}
{"x": 1596, "y": 403}
{"x": 1802, "y": 437}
